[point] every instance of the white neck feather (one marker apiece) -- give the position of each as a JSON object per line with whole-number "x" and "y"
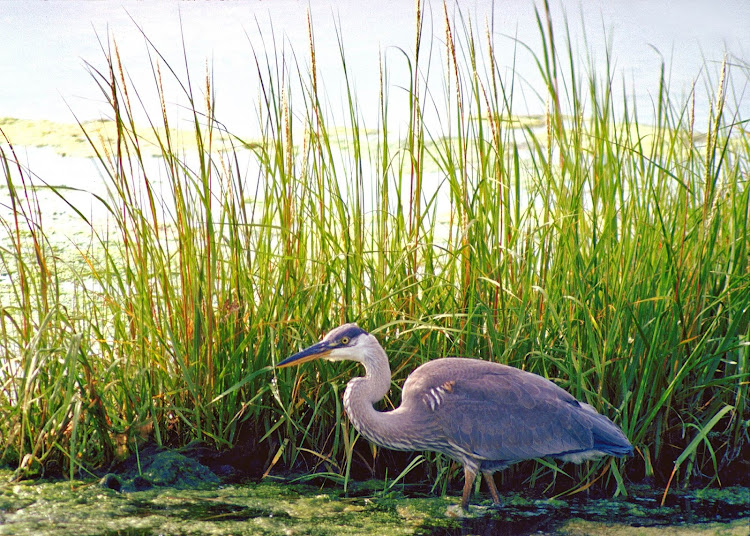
{"x": 382, "y": 428}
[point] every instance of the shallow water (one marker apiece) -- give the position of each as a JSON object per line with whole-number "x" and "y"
{"x": 43, "y": 46}
{"x": 277, "y": 507}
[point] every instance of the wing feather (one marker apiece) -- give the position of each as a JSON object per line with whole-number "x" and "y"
{"x": 500, "y": 413}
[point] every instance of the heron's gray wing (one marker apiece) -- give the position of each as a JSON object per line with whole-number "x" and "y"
{"x": 505, "y": 414}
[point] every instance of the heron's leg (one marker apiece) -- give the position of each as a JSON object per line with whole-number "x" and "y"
{"x": 488, "y": 476}
{"x": 469, "y": 477}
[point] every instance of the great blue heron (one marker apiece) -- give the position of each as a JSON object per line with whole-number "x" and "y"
{"x": 485, "y": 415}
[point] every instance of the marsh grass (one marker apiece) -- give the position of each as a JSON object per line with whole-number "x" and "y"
{"x": 606, "y": 254}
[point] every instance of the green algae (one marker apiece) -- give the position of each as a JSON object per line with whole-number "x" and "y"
{"x": 52, "y": 508}
{"x": 733, "y": 495}
{"x": 283, "y": 508}
{"x": 580, "y": 527}
{"x": 69, "y": 139}
{"x": 164, "y": 468}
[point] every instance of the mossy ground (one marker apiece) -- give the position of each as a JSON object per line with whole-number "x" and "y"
{"x": 277, "y": 507}
{"x": 52, "y": 508}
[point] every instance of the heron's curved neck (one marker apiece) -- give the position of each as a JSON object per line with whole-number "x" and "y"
{"x": 382, "y": 428}
{"x": 377, "y": 379}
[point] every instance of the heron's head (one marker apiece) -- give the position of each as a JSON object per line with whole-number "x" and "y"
{"x": 347, "y": 342}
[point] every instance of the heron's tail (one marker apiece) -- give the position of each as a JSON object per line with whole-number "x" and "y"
{"x": 609, "y": 438}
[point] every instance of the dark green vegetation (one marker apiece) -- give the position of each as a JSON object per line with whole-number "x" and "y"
{"x": 272, "y": 508}
{"x": 606, "y": 254}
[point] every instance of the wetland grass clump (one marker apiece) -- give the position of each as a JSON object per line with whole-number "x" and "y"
{"x": 605, "y": 253}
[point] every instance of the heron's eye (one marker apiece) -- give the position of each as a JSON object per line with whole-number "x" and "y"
{"x": 344, "y": 340}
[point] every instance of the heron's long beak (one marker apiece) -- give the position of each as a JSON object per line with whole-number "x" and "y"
{"x": 315, "y": 351}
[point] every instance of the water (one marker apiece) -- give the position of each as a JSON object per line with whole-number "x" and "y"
{"x": 276, "y": 507}
{"x": 45, "y": 45}
{"x": 50, "y": 50}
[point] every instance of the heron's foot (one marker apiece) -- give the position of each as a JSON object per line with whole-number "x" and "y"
{"x": 458, "y": 511}
{"x": 470, "y": 512}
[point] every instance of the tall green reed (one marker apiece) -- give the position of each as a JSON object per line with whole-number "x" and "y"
{"x": 602, "y": 252}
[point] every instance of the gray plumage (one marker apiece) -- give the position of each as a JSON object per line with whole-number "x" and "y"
{"x": 485, "y": 415}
